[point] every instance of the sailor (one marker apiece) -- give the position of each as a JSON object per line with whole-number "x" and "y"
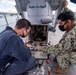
{"x": 15, "y": 57}
{"x": 65, "y": 8}
{"x": 65, "y": 50}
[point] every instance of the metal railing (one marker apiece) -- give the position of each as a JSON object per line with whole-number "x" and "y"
{"x": 4, "y": 14}
{"x": 8, "y": 19}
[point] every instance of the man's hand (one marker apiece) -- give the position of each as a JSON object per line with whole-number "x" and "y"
{"x": 29, "y": 45}
{"x": 38, "y": 47}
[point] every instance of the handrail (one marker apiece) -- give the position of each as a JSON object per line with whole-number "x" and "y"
{"x": 6, "y": 24}
{"x": 5, "y": 17}
{"x": 8, "y": 13}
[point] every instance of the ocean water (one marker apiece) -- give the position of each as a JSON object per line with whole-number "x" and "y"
{"x": 11, "y": 21}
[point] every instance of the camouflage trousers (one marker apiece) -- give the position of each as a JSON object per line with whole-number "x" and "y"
{"x": 64, "y": 59}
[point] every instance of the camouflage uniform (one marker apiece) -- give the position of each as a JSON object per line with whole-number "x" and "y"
{"x": 66, "y": 9}
{"x": 65, "y": 50}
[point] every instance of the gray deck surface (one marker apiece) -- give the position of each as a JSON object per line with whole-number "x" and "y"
{"x": 46, "y": 67}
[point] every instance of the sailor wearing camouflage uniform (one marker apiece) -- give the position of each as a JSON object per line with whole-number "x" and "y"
{"x": 65, "y": 50}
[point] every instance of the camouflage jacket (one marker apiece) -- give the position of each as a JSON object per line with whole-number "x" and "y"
{"x": 66, "y": 44}
{"x": 65, "y": 9}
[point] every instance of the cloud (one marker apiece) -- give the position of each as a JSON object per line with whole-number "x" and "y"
{"x": 2, "y": 10}
{"x": 12, "y": 2}
{"x": 7, "y": 6}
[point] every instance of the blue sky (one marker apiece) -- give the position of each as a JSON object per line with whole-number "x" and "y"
{"x": 9, "y": 6}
